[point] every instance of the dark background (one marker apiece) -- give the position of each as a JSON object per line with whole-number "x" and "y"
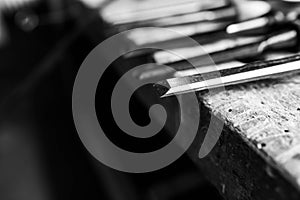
{"x": 41, "y": 155}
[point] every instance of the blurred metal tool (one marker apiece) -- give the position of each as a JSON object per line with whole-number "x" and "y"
{"x": 228, "y": 12}
{"x": 292, "y": 1}
{"x": 129, "y": 11}
{"x": 289, "y": 11}
{"x": 222, "y": 45}
{"x": 247, "y": 73}
{"x": 142, "y": 37}
{"x": 95, "y": 4}
{"x": 162, "y": 74}
{"x": 210, "y": 68}
{"x": 14, "y": 4}
{"x": 237, "y": 48}
{"x": 257, "y": 25}
{"x": 242, "y": 47}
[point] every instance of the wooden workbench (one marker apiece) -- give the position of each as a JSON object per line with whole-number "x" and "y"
{"x": 258, "y": 153}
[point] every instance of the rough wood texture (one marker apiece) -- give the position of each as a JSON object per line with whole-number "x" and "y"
{"x": 258, "y": 154}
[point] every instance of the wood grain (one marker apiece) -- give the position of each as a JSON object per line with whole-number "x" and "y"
{"x": 266, "y": 115}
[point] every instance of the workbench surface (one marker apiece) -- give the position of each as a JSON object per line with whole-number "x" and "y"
{"x": 259, "y": 148}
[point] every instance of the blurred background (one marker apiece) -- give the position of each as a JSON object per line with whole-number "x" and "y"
{"x": 42, "y": 45}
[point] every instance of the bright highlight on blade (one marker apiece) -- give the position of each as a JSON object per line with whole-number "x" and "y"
{"x": 184, "y": 84}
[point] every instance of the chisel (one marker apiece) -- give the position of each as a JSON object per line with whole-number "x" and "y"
{"x": 222, "y": 51}
{"x": 247, "y": 73}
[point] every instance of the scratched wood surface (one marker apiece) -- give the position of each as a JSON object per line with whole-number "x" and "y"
{"x": 265, "y": 115}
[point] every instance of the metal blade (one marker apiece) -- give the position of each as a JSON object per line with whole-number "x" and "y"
{"x": 183, "y": 85}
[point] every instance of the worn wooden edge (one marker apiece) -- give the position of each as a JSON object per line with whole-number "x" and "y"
{"x": 259, "y": 177}
{"x": 268, "y": 159}
{"x": 266, "y": 115}
{"x": 237, "y": 169}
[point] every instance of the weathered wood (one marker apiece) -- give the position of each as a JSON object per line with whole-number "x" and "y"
{"x": 258, "y": 153}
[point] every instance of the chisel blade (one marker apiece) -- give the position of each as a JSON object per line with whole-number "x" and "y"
{"x": 247, "y": 73}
